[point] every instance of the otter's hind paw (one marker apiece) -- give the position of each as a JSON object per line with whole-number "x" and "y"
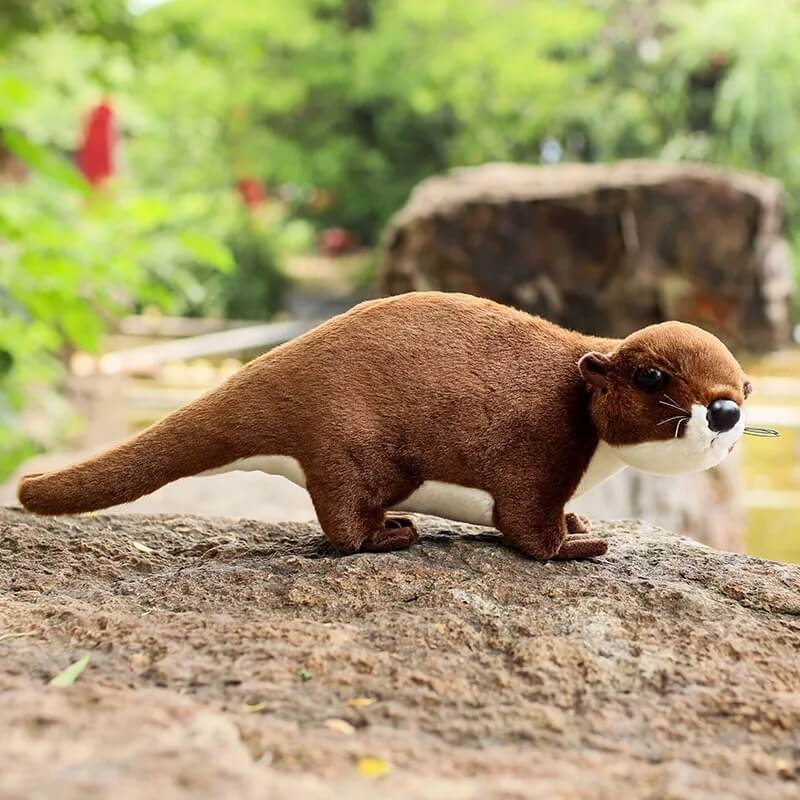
{"x": 577, "y": 523}
{"x": 580, "y": 546}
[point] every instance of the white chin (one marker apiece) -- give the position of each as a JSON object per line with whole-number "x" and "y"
{"x": 696, "y": 449}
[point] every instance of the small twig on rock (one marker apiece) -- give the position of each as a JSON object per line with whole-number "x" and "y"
{"x": 16, "y": 635}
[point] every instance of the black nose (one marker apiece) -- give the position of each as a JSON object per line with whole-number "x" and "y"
{"x": 722, "y": 415}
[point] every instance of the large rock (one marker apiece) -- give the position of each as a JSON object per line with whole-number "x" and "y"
{"x": 605, "y": 249}
{"x": 238, "y": 659}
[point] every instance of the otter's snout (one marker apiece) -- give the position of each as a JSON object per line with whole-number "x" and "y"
{"x": 722, "y": 415}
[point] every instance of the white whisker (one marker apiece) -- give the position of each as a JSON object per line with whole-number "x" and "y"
{"x": 672, "y": 419}
{"x": 678, "y": 426}
{"x": 673, "y": 403}
{"x": 766, "y": 432}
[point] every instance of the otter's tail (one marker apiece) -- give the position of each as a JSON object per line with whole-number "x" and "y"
{"x": 189, "y": 441}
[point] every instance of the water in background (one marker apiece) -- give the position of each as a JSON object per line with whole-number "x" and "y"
{"x": 772, "y": 466}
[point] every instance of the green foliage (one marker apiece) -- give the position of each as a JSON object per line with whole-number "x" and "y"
{"x": 109, "y": 18}
{"x": 258, "y": 287}
{"x": 71, "y": 257}
{"x": 44, "y": 162}
{"x": 747, "y": 52}
{"x": 364, "y": 99}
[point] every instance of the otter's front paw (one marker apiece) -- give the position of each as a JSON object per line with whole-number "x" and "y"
{"x": 395, "y": 521}
{"x": 398, "y": 533}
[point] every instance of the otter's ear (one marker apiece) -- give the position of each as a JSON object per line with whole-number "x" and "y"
{"x": 594, "y": 369}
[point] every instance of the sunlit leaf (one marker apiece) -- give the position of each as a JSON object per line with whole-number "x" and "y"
{"x": 13, "y": 94}
{"x": 44, "y": 161}
{"x": 81, "y": 325}
{"x": 373, "y": 767}
{"x": 207, "y": 250}
{"x": 340, "y": 726}
{"x": 361, "y": 702}
{"x": 69, "y": 675}
{"x": 255, "y": 708}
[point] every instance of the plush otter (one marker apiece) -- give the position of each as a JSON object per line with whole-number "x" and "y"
{"x": 445, "y": 404}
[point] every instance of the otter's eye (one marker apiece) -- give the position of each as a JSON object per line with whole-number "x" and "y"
{"x": 651, "y": 379}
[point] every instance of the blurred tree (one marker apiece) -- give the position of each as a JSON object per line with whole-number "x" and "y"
{"x": 735, "y": 63}
{"x": 363, "y": 99}
{"x": 702, "y": 80}
{"x": 108, "y": 18}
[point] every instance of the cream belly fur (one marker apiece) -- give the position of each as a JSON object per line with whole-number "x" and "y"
{"x": 438, "y": 498}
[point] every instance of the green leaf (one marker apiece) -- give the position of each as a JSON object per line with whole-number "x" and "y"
{"x": 6, "y": 362}
{"x": 81, "y": 326}
{"x": 13, "y": 94}
{"x": 68, "y": 676}
{"x": 149, "y": 212}
{"x": 207, "y": 250}
{"x": 43, "y": 161}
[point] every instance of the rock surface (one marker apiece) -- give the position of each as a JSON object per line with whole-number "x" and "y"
{"x": 241, "y": 659}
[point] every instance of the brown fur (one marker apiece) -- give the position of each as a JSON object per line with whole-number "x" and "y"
{"x": 423, "y": 386}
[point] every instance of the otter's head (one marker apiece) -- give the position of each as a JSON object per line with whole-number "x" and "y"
{"x": 668, "y": 399}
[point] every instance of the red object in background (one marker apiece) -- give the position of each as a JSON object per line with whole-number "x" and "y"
{"x": 251, "y": 191}
{"x": 95, "y": 157}
{"x": 337, "y": 241}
